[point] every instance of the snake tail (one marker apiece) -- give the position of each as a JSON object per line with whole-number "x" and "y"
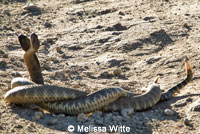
{"x": 169, "y": 93}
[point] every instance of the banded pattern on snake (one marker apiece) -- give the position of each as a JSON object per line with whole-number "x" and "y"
{"x": 72, "y": 101}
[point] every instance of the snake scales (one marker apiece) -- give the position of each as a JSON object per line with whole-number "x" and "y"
{"x": 71, "y": 101}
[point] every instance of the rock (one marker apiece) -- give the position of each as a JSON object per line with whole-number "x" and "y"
{"x": 5, "y": 56}
{"x": 195, "y": 106}
{"x": 97, "y": 114}
{"x": 118, "y": 118}
{"x": 45, "y": 66}
{"x": 187, "y": 26}
{"x": 187, "y": 122}
{"x": 18, "y": 126}
{"x": 111, "y": 60}
{"x": 52, "y": 122}
{"x": 108, "y": 116}
{"x": 31, "y": 127}
{"x": 115, "y": 62}
{"x": 116, "y": 82}
{"x": 53, "y": 115}
{"x": 16, "y": 74}
{"x": 49, "y": 40}
{"x": 104, "y": 40}
{"x": 2, "y": 52}
{"x": 116, "y": 27}
{"x": 75, "y": 47}
{"x": 97, "y": 118}
{"x": 116, "y": 33}
{"x": 58, "y": 49}
{"x": 60, "y": 75}
{"x": 82, "y": 117}
{"x": 169, "y": 112}
{"x": 127, "y": 111}
{"x": 38, "y": 115}
{"x": 148, "y": 18}
{"x": 7, "y": 12}
{"x": 47, "y": 24}
{"x": 117, "y": 72}
{"x": 147, "y": 61}
{"x": 154, "y": 120}
{"x": 26, "y": 29}
{"x": 61, "y": 115}
{"x": 18, "y": 26}
{"x": 3, "y": 63}
{"x": 99, "y": 121}
{"x": 181, "y": 104}
{"x": 121, "y": 13}
{"x": 189, "y": 99}
{"x": 30, "y": 7}
{"x": 106, "y": 74}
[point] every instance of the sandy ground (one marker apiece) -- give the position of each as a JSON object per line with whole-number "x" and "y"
{"x": 83, "y": 42}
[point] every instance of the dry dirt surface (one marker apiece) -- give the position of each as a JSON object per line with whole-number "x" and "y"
{"x": 92, "y": 44}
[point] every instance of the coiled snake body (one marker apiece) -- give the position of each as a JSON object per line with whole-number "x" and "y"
{"x": 71, "y": 101}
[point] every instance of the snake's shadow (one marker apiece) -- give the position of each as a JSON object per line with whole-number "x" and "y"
{"x": 25, "y": 112}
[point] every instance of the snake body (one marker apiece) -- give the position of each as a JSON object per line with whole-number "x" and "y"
{"x": 72, "y": 101}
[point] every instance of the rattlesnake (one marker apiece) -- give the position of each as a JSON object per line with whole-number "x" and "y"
{"x": 72, "y": 101}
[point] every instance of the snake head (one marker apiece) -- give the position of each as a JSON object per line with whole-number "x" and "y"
{"x": 24, "y": 42}
{"x": 35, "y": 41}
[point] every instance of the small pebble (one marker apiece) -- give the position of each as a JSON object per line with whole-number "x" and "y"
{"x": 195, "y": 106}
{"x": 30, "y": 6}
{"x": 1, "y": 128}
{"x": 181, "y": 104}
{"x": 121, "y": 13}
{"x": 117, "y": 72}
{"x": 53, "y": 115}
{"x": 31, "y": 127}
{"x": 38, "y": 115}
{"x": 3, "y": 63}
{"x": 52, "y": 122}
{"x": 154, "y": 120}
{"x": 18, "y": 126}
{"x": 2, "y": 52}
{"x": 47, "y": 24}
{"x": 50, "y": 40}
{"x": 99, "y": 122}
{"x": 97, "y": 114}
{"x": 127, "y": 111}
{"x": 108, "y": 117}
{"x": 58, "y": 49}
{"x": 45, "y": 66}
{"x": 187, "y": 122}
{"x": 5, "y": 56}
{"x": 169, "y": 112}
{"x": 118, "y": 118}
{"x": 106, "y": 74}
{"x": 60, "y": 75}
{"x": 82, "y": 117}
{"x": 61, "y": 115}
{"x": 6, "y": 12}
{"x": 26, "y": 29}
{"x": 16, "y": 74}
{"x": 189, "y": 99}
{"x": 18, "y": 26}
